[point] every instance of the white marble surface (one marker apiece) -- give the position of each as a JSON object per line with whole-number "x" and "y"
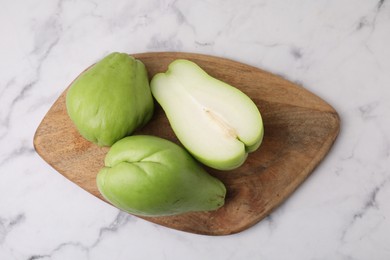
{"x": 339, "y": 50}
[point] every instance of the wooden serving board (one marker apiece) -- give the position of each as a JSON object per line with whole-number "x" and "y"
{"x": 299, "y": 128}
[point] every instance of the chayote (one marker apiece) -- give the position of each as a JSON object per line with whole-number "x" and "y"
{"x": 150, "y": 176}
{"x": 111, "y": 99}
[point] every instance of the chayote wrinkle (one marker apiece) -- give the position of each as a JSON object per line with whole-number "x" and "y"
{"x": 146, "y": 170}
{"x": 141, "y": 120}
{"x": 160, "y": 153}
{"x": 105, "y": 173}
{"x": 148, "y": 158}
{"x": 98, "y": 125}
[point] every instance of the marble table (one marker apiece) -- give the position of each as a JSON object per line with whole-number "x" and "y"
{"x": 339, "y": 50}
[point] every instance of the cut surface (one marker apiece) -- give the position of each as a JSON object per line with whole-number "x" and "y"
{"x": 216, "y": 122}
{"x": 300, "y": 128}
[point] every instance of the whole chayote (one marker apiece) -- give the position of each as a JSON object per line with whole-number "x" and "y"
{"x": 111, "y": 99}
{"x": 151, "y": 176}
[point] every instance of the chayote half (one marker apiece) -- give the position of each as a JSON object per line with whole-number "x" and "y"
{"x": 150, "y": 176}
{"x": 111, "y": 99}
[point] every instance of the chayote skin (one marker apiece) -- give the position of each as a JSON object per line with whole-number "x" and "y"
{"x": 111, "y": 99}
{"x": 151, "y": 176}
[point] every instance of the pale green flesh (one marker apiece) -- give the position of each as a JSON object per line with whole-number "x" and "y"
{"x": 216, "y": 122}
{"x": 151, "y": 176}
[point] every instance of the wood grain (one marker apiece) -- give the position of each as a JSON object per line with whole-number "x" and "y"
{"x": 299, "y": 127}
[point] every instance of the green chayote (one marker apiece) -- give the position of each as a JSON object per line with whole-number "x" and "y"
{"x": 111, "y": 99}
{"x": 150, "y": 176}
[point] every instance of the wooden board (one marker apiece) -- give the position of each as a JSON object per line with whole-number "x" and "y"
{"x": 299, "y": 128}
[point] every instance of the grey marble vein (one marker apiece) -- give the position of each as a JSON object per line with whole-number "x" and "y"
{"x": 6, "y": 225}
{"x": 27, "y": 87}
{"x": 369, "y": 204}
{"x": 16, "y": 153}
{"x": 120, "y": 220}
{"x": 367, "y": 111}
